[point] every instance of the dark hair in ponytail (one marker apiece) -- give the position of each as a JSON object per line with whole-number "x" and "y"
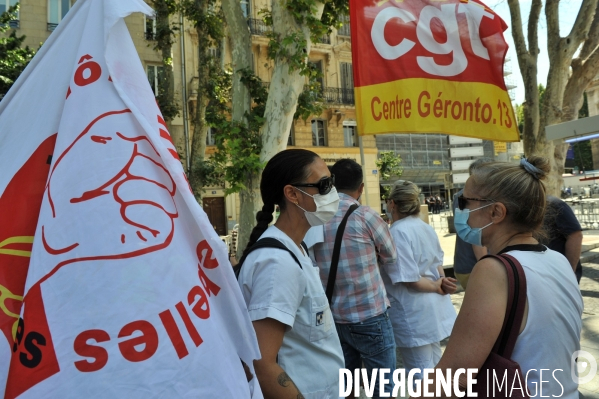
{"x": 286, "y": 167}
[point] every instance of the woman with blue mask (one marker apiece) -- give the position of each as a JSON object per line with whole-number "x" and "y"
{"x": 502, "y": 208}
{"x": 421, "y": 311}
{"x": 301, "y": 353}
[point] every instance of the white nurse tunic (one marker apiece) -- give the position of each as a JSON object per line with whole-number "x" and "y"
{"x": 274, "y": 286}
{"x": 418, "y": 318}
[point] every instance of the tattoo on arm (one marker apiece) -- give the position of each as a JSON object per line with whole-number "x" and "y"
{"x": 284, "y": 380}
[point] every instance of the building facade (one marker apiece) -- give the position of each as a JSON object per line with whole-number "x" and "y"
{"x": 332, "y": 134}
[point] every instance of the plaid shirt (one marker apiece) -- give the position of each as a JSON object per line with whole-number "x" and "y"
{"x": 359, "y": 290}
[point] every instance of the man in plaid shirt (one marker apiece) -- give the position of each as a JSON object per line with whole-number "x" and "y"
{"x": 359, "y": 303}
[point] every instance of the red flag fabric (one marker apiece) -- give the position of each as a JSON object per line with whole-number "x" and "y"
{"x": 113, "y": 282}
{"x": 429, "y": 66}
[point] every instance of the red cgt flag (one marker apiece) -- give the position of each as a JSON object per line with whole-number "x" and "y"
{"x": 430, "y": 66}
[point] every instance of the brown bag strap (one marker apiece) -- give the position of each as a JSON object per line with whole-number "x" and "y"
{"x": 516, "y": 303}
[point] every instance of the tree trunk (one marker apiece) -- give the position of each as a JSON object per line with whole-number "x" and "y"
{"x": 285, "y": 87}
{"x": 563, "y": 94}
{"x": 200, "y": 129}
{"x": 241, "y": 57}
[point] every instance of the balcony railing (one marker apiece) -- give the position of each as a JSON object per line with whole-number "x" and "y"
{"x": 52, "y": 26}
{"x": 325, "y": 39}
{"x": 258, "y": 27}
{"x": 330, "y": 95}
{"x": 339, "y": 95}
{"x": 334, "y": 95}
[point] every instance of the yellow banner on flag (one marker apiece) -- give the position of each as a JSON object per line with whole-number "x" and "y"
{"x": 440, "y": 106}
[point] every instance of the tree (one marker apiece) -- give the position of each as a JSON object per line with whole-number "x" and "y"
{"x": 570, "y": 72}
{"x": 208, "y": 23}
{"x": 164, "y": 43}
{"x": 389, "y": 166}
{"x": 295, "y": 24}
{"x": 583, "y": 153}
{"x": 13, "y": 58}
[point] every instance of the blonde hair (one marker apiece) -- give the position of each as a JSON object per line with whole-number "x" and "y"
{"x": 405, "y": 196}
{"x": 517, "y": 186}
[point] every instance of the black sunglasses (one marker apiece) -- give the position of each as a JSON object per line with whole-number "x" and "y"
{"x": 462, "y": 201}
{"x": 324, "y": 185}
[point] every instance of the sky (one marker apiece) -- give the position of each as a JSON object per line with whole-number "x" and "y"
{"x": 568, "y": 9}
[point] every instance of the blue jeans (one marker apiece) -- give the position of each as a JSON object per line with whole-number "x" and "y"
{"x": 372, "y": 343}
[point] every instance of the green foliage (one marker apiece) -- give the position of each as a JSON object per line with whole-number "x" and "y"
{"x": 13, "y": 58}
{"x": 389, "y": 166}
{"x": 206, "y": 17}
{"x": 165, "y": 33}
{"x": 311, "y": 100}
{"x": 291, "y": 48}
{"x": 211, "y": 171}
{"x": 520, "y": 117}
{"x": 238, "y": 146}
{"x": 209, "y": 174}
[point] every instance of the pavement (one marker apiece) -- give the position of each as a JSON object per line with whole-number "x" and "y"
{"x": 589, "y": 287}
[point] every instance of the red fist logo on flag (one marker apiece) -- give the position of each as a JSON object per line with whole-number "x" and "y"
{"x": 130, "y": 193}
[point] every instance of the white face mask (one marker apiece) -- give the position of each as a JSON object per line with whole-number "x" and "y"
{"x": 326, "y": 207}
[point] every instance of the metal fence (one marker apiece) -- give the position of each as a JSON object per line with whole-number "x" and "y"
{"x": 587, "y": 213}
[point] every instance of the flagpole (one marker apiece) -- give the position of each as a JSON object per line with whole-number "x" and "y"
{"x": 364, "y": 171}
{"x": 184, "y": 94}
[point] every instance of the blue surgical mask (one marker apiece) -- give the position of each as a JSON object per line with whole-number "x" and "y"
{"x": 465, "y": 232}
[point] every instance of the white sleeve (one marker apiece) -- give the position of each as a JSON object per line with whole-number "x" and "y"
{"x": 273, "y": 286}
{"x": 405, "y": 269}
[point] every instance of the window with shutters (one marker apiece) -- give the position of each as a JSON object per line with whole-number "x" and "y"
{"x": 155, "y": 74}
{"x": 149, "y": 28}
{"x": 347, "y": 83}
{"x": 344, "y": 30}
{"x": 350, "y": 136}
{"x": 319, "y": 133}
{"x": 245, "y": 8}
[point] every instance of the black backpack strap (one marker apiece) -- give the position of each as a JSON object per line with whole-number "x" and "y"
{"x": 267, "y": 242}
{"x": 305, "y": 248}
{"x": 336, "y": 251}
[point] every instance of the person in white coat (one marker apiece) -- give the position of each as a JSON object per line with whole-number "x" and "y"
{"x": 301, "y": 353}
{"x": 421, "y": 310}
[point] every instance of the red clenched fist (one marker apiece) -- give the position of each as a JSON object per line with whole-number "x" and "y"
{"x": 111, "y": 184}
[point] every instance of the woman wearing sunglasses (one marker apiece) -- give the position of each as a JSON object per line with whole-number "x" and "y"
{"x": 421, "y": 311}
{"x": 502, "y": 208}
{"x": 301, "y": 353}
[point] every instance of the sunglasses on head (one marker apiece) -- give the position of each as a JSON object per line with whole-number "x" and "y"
{"x": 324, "y": 185}
{"x": 462, "y": 201}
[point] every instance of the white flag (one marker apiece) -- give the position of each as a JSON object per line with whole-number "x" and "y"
{"x": 128, "y": 290}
